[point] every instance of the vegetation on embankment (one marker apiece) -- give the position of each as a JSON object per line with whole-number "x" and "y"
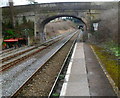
{"x": 58, "y": 27}
{"x": 107, "y": 38}
{"x": 110, "y": 63}
{"x": 113, "y": 48}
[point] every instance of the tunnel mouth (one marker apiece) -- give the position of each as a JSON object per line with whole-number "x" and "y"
{"x": 47, "y": 20}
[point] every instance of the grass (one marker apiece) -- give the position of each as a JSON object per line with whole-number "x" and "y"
{"x": 55, "y": 95}
{"x": 113, "y": 48}
{"x": 110, "y": 62}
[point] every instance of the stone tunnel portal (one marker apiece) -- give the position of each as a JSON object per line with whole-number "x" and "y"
{"x": 47, "y": 20}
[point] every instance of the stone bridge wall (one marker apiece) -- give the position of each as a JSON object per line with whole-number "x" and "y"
{"x": 48, "y": 11}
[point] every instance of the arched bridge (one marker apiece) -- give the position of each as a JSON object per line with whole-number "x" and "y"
{"x": 41, "y": 14}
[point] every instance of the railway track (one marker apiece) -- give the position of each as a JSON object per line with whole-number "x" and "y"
{"x": 18, "y": 56}
{"x": 7, "y": 50}
{"x": 11, "y": 50}
{"x": 18, "y": 75}
{"x": 15, "y": 54}
{"x": 57, "y": 86}
{"x": 17, "y": 92}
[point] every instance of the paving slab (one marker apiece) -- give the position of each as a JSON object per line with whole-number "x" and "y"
{"x": 86, "y": 77}
{"x": 77, "y": 85}
{"x": 98, "y": 82}
{"x": 77, "y": 69}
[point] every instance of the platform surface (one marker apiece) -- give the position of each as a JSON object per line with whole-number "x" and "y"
{"x": 85, "y": 76}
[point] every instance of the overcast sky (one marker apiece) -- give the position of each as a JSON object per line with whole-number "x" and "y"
{"x": 23, "y": 2}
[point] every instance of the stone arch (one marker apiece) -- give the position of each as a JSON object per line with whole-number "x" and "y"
{"x": 47, "y": 20}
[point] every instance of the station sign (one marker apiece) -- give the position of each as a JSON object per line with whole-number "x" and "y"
{"x": 95, "y": 25}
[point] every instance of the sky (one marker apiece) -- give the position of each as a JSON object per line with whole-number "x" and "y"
{"x": 23, "y": 2}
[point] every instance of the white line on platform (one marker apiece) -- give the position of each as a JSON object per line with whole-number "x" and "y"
{"x": 63, "y": 91}
{"x": 64, "y": 87}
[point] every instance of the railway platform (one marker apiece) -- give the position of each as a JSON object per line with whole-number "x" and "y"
{"x": 85, "y": 76}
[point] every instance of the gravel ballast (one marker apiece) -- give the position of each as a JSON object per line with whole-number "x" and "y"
{"x": 43, "y": 80}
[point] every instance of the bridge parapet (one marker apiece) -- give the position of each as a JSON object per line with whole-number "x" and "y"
{"x": 47, "y": 7}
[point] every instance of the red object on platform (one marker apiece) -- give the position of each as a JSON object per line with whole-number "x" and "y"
{"x": 11, "y": 40}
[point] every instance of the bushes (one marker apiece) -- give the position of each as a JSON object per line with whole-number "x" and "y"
{"x": 113, "y": 47}
{"x": 107, "y": 34}
{"x": 109, "y": 24}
